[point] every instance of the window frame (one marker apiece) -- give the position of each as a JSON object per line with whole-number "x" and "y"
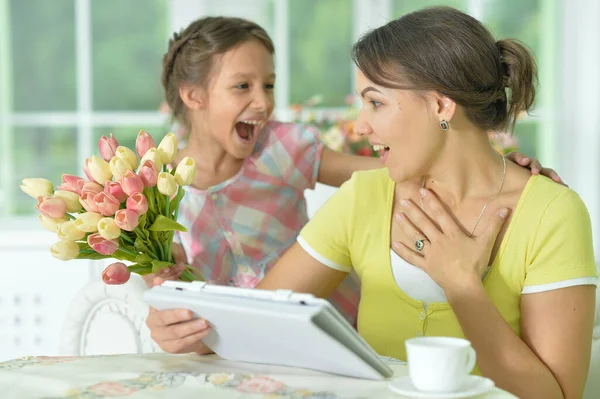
{"x": 367, "y": 14}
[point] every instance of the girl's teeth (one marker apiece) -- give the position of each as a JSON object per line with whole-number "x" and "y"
{"x": 252, "y": 122}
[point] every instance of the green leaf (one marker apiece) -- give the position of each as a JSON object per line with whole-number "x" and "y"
{"x": 149, "y": 192}
{"x": 93, "y": 255}
{"x": 158, "y": 265}
{"x": 140, "y": 245}
{"x": 140, "y": 268}
{"x": 163, "y": 223}
{"x": 143, "y": 258}
{"x": 161, "y": 202}
{"x": 142, "y": 221}
{"x": 177, "y": 200}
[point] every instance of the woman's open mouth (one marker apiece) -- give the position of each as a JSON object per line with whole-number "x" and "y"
{"x": 382, "y": 151}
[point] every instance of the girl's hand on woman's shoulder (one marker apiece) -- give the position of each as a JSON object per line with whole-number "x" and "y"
{"x": 534, "y": 166}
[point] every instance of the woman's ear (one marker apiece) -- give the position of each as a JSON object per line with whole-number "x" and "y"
{"x": 192, "y": 96}
{"x": 444, "y": 107}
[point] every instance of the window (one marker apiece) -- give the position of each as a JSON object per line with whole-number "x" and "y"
{"x": 74, "y": 70}
{"x": 320, "y": 43}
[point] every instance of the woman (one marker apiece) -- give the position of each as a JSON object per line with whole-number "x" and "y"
{"x": 448, "y": 239}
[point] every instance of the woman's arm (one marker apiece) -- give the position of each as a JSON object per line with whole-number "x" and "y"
{"x": 552, "y": 359}
{"x": 299, "y": 271}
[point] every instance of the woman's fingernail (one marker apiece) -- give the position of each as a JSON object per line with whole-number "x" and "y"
{"x": 399, "y": 217}
{"x": 404, "y": 202}
{"x": 503, "y": 212}
{"x": 423, "y": 192}
{"x": 396, "y": 244}
{"x": 525, "y": 160}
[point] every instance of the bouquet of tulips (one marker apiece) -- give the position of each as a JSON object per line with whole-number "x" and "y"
{"x": 126, "y": 209}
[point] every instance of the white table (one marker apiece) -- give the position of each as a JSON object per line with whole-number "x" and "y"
{"x": 161, "y": 375}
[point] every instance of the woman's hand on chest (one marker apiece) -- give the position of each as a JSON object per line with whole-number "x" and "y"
{"x": 432, "y": 240}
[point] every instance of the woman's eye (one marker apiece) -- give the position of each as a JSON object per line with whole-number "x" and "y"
{"x": 242, "y": 86}
{"x": 269, "y": 86}
{"x": 374, "y": 103}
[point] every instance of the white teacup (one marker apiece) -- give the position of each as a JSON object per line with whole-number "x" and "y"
{"x": 439, "y": 364}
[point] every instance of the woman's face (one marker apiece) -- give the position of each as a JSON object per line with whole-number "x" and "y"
{"x": 239, "y": 99}
{"x": 402, "y": 126}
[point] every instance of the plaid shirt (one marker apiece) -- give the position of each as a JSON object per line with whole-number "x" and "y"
{"x": 238, "y": 229}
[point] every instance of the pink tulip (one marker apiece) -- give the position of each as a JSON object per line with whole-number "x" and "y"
{"x": 131, "y": 183}
{"x": 108, "y": 147}
{"x": 102, "y": 245}
{"x": 116, "y": 274}
{"x": 126, "y": 219}
{"x": 88, "y": 201}
{"x": 138, "y": 203}
{"x": 107, "y": 204}
{"x": 51, "y": 207}
{"x": 86, "y": 170}
{"x": 148, "y": 172}
{"x": 114, "y": 188}
{"x": 143, "y": 143}
{"x": 92, "y": 186}
{"x": 70, "y": 183}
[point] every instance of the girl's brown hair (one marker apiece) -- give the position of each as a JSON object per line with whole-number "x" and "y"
{"x": 189, "y": 58}
{"x": 448, "y": 51}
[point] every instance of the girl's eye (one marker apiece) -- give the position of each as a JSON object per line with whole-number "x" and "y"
{"x": 374, "y": 103}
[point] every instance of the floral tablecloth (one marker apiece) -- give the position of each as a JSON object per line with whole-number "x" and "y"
{"x": 161, "y": 375}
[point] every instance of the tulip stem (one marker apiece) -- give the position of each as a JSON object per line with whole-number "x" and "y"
{"x": 167, "y": 205}
{"x": 126, "y": 238}
{"x": 178, "y": 198}
{"x": 70, "y": 216}
{"x": 128, "y": 252}
{"x": 167, "y": 244}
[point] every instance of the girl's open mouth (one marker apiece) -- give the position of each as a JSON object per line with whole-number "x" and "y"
{"x": 247, "y": 130}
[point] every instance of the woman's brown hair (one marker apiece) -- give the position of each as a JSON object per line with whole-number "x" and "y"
{"x": 448, "y": 51}
{"x": 189, "y": 59}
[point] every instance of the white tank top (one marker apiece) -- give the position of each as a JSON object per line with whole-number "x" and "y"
{"x": 415, "y": 282}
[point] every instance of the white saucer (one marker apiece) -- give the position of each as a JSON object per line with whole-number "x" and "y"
{"x": 474, "y": 385}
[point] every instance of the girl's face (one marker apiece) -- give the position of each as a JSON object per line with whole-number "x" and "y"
{"x": 402, "y": 126}
{"x": 239, "y": 98}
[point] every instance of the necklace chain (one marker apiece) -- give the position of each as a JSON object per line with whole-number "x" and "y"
{"x": 486, "y": 204}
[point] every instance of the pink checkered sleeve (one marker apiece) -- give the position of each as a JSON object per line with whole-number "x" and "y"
{"x": 302, "y": 148}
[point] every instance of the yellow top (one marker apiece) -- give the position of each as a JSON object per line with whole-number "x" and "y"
{"x": 549, "y": 240}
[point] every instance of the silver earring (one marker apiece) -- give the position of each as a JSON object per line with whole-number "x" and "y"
{"x": 444, "y": 125}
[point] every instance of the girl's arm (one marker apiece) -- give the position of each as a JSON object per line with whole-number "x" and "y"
{"x": 336, "y": 167}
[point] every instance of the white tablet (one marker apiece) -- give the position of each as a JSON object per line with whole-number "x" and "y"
{"x": 273, "y": 327}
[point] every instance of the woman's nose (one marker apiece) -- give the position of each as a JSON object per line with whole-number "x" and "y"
{"x": 362, "y": 128}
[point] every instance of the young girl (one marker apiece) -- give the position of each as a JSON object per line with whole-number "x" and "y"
{"x": 246, "y": 205}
